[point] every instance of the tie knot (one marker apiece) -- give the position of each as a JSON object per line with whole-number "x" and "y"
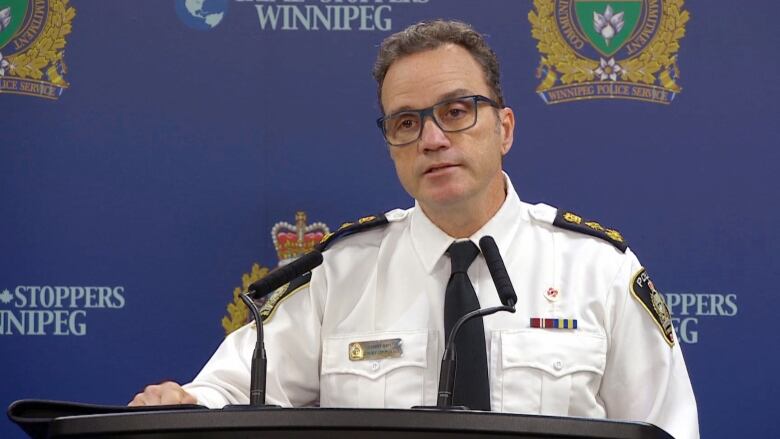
{"x": 462, "y": 254}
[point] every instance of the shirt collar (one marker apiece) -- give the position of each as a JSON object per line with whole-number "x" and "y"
{"x": 430, "y": 242}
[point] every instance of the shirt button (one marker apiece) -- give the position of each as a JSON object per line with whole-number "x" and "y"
{"x": 558, "y": 365}
{"x": 374, "y": 365}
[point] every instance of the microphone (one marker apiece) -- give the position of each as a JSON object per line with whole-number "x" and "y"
{"x": 285, "y": 274}
{"x": 495, "y": 264}
{"x": 261, "y": 288}
{"x": 506, "y": 294}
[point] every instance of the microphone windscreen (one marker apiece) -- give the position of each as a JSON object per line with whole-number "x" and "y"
{"x": 287, "y": 273}
{"x": 506, "y": 292}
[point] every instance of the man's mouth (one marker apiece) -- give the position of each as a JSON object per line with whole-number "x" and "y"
{"x": 439, "y": 167}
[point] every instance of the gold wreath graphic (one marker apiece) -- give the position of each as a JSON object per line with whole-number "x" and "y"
{"x": 47, "y": 50}
{"x": 559, "y": 58}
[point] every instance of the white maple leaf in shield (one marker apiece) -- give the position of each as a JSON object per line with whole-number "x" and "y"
{"x": 5, "y": 18}
{"x": 608, "y": 24}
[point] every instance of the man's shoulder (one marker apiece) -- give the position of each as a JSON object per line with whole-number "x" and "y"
{"x": 369, "y": 230}
{"x": 574, "y": 226}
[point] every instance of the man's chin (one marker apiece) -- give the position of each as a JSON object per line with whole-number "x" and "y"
{"x": 441, "y": 198}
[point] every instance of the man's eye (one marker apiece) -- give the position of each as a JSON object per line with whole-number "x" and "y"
{"x": 406, "y": 123}
{"x": 455, "y": 113}
{"x": 455, "y": 110}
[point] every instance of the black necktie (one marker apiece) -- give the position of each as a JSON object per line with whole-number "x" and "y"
{"x": 472, "y": 388}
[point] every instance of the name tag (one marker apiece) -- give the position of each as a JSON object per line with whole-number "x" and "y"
{"x": 375, "y": 349}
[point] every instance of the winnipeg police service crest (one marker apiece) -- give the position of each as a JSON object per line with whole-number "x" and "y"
{"x": 608, "y": 49}
{"x": 32, "y": 46}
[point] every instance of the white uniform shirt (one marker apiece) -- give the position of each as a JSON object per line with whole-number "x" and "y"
{"x": 389, "y": 282}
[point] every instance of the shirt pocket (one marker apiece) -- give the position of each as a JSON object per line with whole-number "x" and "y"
{"x": 376, "y": 383}
{"x": 549, "y": 372}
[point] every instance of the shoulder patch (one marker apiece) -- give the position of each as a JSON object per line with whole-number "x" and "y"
{"x": 282, "y": 293}
{"x": 346, "y": 229}
{"x": 571, "y": 221}
{"x": 642, "y": 289}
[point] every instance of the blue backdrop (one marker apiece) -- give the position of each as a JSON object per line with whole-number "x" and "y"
{"x": 135, "y": 198}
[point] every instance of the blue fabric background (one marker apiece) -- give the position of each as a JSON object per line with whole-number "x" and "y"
{"x": 164, "y": 165}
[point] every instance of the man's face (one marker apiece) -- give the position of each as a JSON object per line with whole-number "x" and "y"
{"x": 447, "y": 170}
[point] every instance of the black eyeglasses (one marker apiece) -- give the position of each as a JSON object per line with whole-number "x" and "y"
{"x": 450, "y": 116}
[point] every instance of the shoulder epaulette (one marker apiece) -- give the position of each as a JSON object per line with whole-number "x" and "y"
{"x": 282, "y": 293}
{"x": 347, "y": 229}
{"x": 571, "y": 221}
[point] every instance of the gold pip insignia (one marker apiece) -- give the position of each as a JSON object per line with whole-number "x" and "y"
{"x": 572, "y": 218}
{"x": 642, "y": 289}
{"x": 572, "y": 221}
{"x": 375, "y": 349}
{"x": 350, "y": 228}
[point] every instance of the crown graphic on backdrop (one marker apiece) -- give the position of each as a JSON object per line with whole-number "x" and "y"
{"x": 290, "y": 241}
{"x": 608, "y": 49}
{"x": 32, "y": 46}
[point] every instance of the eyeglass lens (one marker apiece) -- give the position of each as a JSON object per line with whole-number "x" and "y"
{"x": 454, "y": 115}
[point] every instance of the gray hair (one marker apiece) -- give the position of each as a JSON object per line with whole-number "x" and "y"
{"x": 429, "y": 35}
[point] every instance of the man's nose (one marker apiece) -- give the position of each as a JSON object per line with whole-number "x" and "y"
{"x": 432, "y": 137}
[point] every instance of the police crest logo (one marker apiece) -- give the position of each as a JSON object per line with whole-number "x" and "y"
{"x": 608, "y": 49}
{"x": 32, "y": 46}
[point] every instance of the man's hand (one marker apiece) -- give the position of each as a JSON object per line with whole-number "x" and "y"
{"x": 163, "y": 394}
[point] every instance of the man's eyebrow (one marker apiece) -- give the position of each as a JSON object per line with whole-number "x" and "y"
{"x": 457, "y": 93}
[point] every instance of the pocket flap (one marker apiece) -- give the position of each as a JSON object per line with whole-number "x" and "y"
{"x": 336, "y": 355}
{"x": 557, "y": 353}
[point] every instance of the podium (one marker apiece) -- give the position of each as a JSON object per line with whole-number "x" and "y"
{"x": 192, "y": 422}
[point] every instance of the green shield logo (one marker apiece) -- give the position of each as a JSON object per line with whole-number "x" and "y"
{"x": 608, "y": 24}
{"x": 12, "y": 13}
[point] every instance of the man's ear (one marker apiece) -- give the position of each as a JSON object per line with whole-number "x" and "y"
{"x": 507, "y": 124}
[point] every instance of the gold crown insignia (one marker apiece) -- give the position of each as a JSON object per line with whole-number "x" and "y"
{"x": 292, "y": 241}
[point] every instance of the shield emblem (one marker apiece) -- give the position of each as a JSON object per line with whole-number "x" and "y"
{"x": 608, "y": 25}
{"x": 12, "y": 14}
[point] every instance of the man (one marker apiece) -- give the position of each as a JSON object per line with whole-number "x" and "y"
{"x": 591, "y": 336}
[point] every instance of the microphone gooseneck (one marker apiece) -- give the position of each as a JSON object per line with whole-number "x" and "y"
{"x": 261, "y": 288}
{"x": 259, "y": 358}
{"x": 506, "y": 294}
{"x": 449, "y": 359}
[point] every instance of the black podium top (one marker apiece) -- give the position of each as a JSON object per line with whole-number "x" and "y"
{"x": 341, "y": 423}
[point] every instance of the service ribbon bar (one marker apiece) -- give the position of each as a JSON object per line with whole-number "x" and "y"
{"x": 537, "y": 322}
